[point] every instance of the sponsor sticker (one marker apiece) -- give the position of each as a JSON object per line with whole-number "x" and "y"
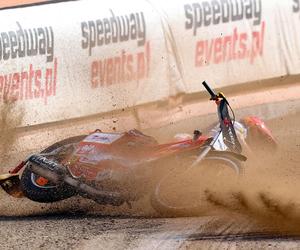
{"x": 102, "y": 138}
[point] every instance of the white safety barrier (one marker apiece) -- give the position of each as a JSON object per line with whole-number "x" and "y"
{"x": 225, "y": 42}
{"x": 75, "y": 59}
{"x": 288, "y": 23}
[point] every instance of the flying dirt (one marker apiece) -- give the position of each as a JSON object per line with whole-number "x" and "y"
{"x": 10, "y": 117}
{"x": 262, "y": 203}
{"x": 268, "y": 215}
{"x": 117, "y": 168}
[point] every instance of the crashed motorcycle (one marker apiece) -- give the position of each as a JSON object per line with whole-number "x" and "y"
{"x": 117, "y": 168}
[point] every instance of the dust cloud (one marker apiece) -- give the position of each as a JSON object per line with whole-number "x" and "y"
{"x": 11, "y": 117}
{"x": 267, "y": 191}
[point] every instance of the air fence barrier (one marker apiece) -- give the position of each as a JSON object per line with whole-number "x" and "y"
{"x": 80, "y": 58}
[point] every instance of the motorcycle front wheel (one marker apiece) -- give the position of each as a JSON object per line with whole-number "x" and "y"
{"x": 37, "y": 188}
{"x": 181, "y": 192}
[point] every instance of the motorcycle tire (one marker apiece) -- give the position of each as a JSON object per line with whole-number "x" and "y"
{"x": 47, "y": 194}
{"x": 166, "y": 210}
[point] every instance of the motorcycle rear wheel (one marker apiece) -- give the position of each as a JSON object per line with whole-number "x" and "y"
{"x": 168, "y": 210}
{"x": 47, "y": 193}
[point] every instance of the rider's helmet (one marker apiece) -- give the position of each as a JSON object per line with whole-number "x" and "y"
{"x": 259, "y": 136}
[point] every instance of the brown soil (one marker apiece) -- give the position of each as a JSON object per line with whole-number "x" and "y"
{"x": 261, "y": 209}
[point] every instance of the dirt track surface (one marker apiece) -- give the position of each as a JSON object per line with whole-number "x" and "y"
{"x": 80, "y": 224}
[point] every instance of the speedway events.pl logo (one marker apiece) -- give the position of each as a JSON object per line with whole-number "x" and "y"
{"x": 124, "y": 66}
{"x": 32, "y": 82}
{"x": 235, "y": 45}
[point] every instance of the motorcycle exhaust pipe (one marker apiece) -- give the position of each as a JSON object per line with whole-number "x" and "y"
{"x": 57, "y": 174}
{"x": 101, "y": 197}
{"x": 55, "y": 177}
{"x": 46, "y": 168}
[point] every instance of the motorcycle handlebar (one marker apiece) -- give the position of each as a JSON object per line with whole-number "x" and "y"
{"x": 210, "y": 91}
